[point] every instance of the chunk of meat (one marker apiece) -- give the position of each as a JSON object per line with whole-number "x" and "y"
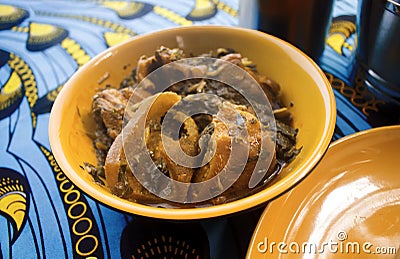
{"x": 269, "y": 86}
{"x": 223, "y": 151}
{"x": 110, "y": 105}
{"x": 123, "y": 183}
{"x": 188, "y": 143}
{"x": 188, "y": 140}
{"x": 162, "y": 56}
{"x": 118, "y": 173}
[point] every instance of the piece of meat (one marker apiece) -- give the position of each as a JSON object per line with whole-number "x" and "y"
{"x": 188, "y": 143}
{"x": 123, "y": 183}
{"x": 222, "y": 136}
{"x": 269, "y": 86}
{"x": 162, "y": 56}
{"x": 109, "y": 105}
{"x": 118, "y": 173}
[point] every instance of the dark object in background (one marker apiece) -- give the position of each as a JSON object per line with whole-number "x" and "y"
{"x": 378, "y": 49}
{"x": 152, "y": 238}
{"x": 304, "y": 24}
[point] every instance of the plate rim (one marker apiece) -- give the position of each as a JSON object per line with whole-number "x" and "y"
{"x": 251, "y": 251}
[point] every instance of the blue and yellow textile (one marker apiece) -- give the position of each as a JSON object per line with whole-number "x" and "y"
{"x": 42, "y": 43}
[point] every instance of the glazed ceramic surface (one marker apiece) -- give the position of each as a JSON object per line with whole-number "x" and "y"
{"x": 349, "y": 206}
{"x": 302, "y": 82}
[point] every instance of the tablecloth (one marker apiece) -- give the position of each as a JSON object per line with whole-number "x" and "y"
{"x": 42, "y": 43}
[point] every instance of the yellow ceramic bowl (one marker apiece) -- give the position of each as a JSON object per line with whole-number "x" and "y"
{"x": 301, "y": 80}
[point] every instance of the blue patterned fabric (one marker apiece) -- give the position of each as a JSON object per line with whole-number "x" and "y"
{"x": 42, "y": 43}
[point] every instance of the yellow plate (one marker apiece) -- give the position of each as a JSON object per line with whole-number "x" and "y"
{"x": 349, "y": 206}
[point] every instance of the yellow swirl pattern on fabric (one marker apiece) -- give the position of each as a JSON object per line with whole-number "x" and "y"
{"x": 76, "y": 209}
{"x": 93, "y": 20}
{"x": 13, "y": 201}
{"x": 124, "y": 9}
{"x": 226, "y": 8}
{"x": 7, "y": 11}
{"x": 172, "y": 16}
{"x": 358, "y": 95}
{"x": 338, "y": 33}
{"x": 43, "y": 31}
{"x": 42, "y": 36}
{"x": 20, "y": 29}
{"x": 28, "y": 80}
{"x": 11, "y": 91}
{"x": 75, "y": 51}
{"x": 11, "y": 16}
{"x": 202, "y": 8}
{"x": 52, "y": 95}
{"x": 13, "y": 84}
{"x": 22, "y": 69}
{"x": 114, "y": 38}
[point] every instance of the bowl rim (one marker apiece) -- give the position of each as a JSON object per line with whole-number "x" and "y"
{"x": 229, "y": 208}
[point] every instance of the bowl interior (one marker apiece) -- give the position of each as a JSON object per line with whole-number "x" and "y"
{"x": 302, "y": 83}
